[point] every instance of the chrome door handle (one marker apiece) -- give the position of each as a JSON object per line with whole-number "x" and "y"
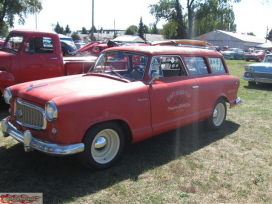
{"x": 195, "y": 87}
{"x": 54, "y": 58}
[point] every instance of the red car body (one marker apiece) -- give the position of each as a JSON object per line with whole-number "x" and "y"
{"x": 94, "y": 48}
{"x": 132, "y": 93}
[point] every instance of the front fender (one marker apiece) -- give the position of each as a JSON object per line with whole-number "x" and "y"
{"x": 6, "y": 79}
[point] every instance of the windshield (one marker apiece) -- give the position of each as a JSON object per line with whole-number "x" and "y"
{"x": 13, "y": 42}
{"x": 123, "y": 64}
{"x": 268, "y": 58}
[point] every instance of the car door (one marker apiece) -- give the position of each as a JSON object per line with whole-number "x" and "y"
{"x": 38, "y": 60}
{"x": 174, "y": 96}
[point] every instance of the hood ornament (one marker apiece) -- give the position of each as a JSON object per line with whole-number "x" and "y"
{"x": 34, "y": 87}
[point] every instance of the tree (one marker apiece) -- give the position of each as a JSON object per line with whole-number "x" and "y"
{"x": 181, "y": 29}
{"x": 67, "y": 30}
{"x": 95, "y": 31}
{"x": 170, "y": 10}
{"x": 58, "y": 29}
{"x": 194, "y": 5}
{"x": 269, "y": 36}
{"x": 75, "y": 36}
{"x": 154, "y": 29}
{"x": 131, "y": 30}
{"x": 11, "y": 8}
{"x": 169, "y": 30}
{"x": 141, "y": 29}
{"x": 213, "y": 15}
{"x": 84, "y": 30}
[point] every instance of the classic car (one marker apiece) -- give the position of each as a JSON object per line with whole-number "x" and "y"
{"x": 259, "y": 72}
{"x": 131, "y": 93}
{"x": 233, "y": 53}
{"x": 257, "y": 55}
{"x": 68, "y": 49}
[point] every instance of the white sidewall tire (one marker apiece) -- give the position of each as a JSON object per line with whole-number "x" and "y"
{"x": 104, "y": 143}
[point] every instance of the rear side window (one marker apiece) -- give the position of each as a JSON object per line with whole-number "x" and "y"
{"x": 216, "y": 65}
{"x": 167, "y": 66}
{"x": 196, "y": 65}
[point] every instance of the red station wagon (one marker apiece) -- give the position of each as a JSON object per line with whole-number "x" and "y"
{"x": 131, "y": 93}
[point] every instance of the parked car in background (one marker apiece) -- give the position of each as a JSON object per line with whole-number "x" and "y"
{"x": 67, "y": 45}
{"x": 256, "y": 55}
{"x": 68, "y": 49}
{"x": 96, "y": 47}
{"x": 131, "y": 93}
{"x": 233, "y": 53}
{"x": 79, "y": 45}
{"x": 259, "y": 72}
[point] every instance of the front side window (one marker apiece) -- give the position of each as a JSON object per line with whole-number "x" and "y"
{"x": 167, "y": 66}
{"x": 38, "y": 45}
{"x": 14, "y": 42}
{"x": 217, "y": 65}
{"x": 128, "y": 65}
{"x": 196, "y": 65}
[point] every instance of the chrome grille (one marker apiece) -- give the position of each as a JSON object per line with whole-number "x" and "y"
{"x": 261, "y": 75}
{"x": 29, "y": 115}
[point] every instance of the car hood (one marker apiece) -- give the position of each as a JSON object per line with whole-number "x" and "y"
{"x": 71, "y": 88}
{"x": 260, "y": 66}
{"x": 5, "y": 60}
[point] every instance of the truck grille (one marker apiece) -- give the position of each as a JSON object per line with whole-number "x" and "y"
{"x": 29, "y": 115}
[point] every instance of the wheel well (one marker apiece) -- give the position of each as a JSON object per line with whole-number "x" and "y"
{"x": 224, "y": 98}
{"x": 124, "y": 126}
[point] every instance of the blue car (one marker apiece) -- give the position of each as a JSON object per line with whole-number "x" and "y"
{"x": 233, "y": 53}
{"x": 259, "y": 72}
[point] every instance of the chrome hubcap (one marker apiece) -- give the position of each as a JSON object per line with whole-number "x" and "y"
{"x": 100, "y": 143}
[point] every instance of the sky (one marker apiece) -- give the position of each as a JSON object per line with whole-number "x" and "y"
{"x": 250, "y": 15}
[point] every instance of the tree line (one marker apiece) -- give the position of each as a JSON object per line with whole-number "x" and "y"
{"x": 187, "y": 20}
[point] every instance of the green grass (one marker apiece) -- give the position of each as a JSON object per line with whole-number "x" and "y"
{"x": 187, "y": 165}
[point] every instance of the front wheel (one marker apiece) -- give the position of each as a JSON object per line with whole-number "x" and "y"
{"x": 104, "y": 144}
{"x": 218, "y": 117}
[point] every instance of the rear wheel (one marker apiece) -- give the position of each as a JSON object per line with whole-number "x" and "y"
{"x": 104, "y": 144}
{"x": 218, "y": 117}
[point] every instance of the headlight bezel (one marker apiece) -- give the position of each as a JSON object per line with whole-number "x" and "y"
{"x": 51, "y": 111}
{"x": 7, "y": 95}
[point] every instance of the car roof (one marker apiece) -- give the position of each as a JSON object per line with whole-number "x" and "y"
{"x": 159, "y": 50}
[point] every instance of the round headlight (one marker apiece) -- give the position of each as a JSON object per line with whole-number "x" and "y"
{"x": 51, "y": 111}
{"x": 7, "y": 95}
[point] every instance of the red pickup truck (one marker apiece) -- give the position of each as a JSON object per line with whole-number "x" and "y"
{"x": 28, "y": 55}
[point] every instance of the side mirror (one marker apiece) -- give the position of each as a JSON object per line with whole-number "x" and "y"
{"x": 155, "y": 76}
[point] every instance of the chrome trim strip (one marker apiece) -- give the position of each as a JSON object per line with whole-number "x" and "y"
{"x": 31, "y": 143}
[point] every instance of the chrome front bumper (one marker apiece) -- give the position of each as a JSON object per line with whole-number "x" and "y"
{"x": 31, "y": 143}
{"x": 261, "y": 80}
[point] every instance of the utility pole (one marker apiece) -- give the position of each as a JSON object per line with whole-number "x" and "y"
{"x": 92, "y": 33}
